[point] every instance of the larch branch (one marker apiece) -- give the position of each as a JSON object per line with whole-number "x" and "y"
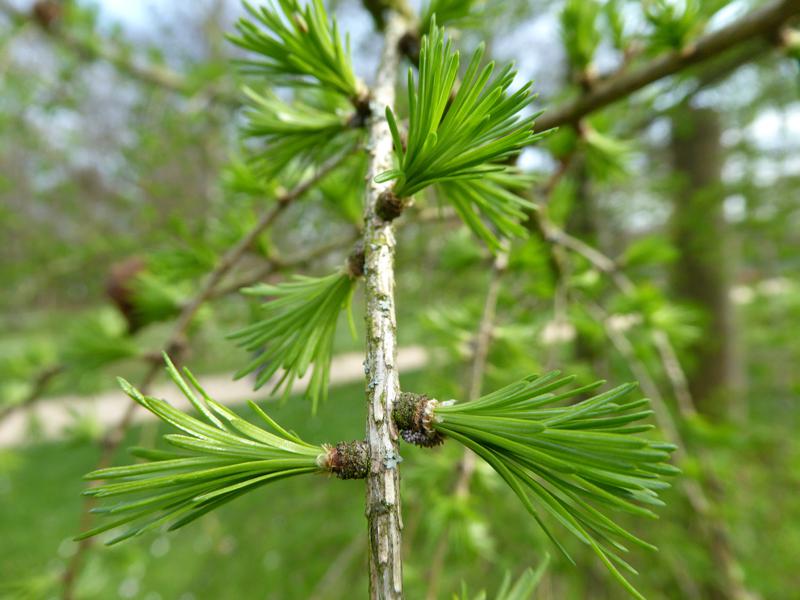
{"x": 762, "y": 22}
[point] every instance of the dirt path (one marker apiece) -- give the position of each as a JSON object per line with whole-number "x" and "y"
{"x": 55, "y": 414}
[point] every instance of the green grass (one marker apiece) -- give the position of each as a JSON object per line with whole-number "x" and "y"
{"x": 280, "y": 541}
{"x": 275, "y": 542}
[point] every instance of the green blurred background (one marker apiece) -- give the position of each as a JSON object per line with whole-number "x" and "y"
{"x": 118, "y": 147}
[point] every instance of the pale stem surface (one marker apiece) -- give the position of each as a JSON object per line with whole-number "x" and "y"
{"x": 383, "y": 482}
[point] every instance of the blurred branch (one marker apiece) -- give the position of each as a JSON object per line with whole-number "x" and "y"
{"x": 723, "y": 68}
{"x": 275, "y": 264}
{"x": 337, "y": 569}
{"x": 716, "y": 73}
{"x": 272, "y": 265}
{"x": 38, "y": 387}
{"x": 675, "y": 373}
{"x": 176, "y": 342}
{"x": 710, "y": 524}
{"x": 155, "y": 75}
{"x": 762, "y": 22}
{"x": 713, "y": 528}
{"x": 480, "y": 354}
{"x": 607, "y": 265}
{"x": 379, "y": 8}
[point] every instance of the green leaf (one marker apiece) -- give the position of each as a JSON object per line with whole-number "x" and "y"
{"x": 216, "y": 466}
{"x": 570, "y": 461}
{"x": 295, "y": 134}
{"x": 649, "y": 250}
{"x": 388, "y": 176}
{"x": 97, "y": 340}
{"x": 455, "y": 13}
{"x": 297, "y": 45}
{"x": 496, "y": 199}
{"x": 579, "y": 32}
{"x": 295, "y": 331}
{"x": 521, "y": 589}
{"x": 458, "y": 134}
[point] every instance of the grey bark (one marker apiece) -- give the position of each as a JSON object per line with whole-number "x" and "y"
{"x": 383, "y": 386}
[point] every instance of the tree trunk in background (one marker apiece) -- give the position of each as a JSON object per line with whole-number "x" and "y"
{"x": 700, "y": 274}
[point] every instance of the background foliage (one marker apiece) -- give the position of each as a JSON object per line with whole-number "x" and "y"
{"x": 117, "y": 143}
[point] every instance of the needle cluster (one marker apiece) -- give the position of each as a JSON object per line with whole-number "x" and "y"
{"x": 569, "y": 461}
{"x": 218, "y": 457}
{"x": 297, "y": 45}
{"x": 296, "y": 330}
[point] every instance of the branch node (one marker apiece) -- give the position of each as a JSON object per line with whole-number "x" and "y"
{"x": 413, "y": 415}
{"x": 47, "y": 13}
{"x": 363, "y": 110}
{"x": 389, "y": 206}
{"x": 346, "y": 460}
{"x": 356, "y": 260}
{"x": 409, "y": 45}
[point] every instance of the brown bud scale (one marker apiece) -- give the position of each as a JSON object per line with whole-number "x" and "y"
{"x": 389, "y": 206}
{"x": 413, "y": 415}
{"x": 347, "y": 460}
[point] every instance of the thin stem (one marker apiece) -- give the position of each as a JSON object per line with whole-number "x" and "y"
{"x": 480, "y": 354}
{"x": 271, "y": 266}
{"x": 176, "y": 341}
{"x": 158, "y": 76}
{"x": 714, "y": 529}
{"x": 333, "y": 576}
{"x": 275, "y": 264}
{"x": 607, "y": 265}
{"x": 235, "y": 253}
{"x": 383, "y": 482}
{"x": 38, "y": 387}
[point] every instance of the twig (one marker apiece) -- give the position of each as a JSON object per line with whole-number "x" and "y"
{"x": 383, "y": 482}
{"x": 762, "y": 22}
{"x": 273, "y": 265}
{"x": 675, "y": 373}
{"x": 605, "y": 264}
{"x": 155, "y": 75}
{"x": 38, "y": 387}
{"x": 480, "y": 354}
{"x": 338, "y": 568}
{"x": 716, "y": 73}
{"x": 176, "y": 341}
{"x": 713, "y": 528}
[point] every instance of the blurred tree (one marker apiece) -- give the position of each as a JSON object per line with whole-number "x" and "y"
{"x": 701, "y": 274}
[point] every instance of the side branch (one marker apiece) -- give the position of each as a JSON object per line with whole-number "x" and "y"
{"x": 480, "y": 356}
{"x": 38, "y": 387}
{"x": 762, "y": 22}
{"x": 154, "y": 75}
{"x": 383, "y": 386}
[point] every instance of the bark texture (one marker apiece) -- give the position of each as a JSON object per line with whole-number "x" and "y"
{"x": 700, "y": 275}
{"x": 383, "y": 386}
